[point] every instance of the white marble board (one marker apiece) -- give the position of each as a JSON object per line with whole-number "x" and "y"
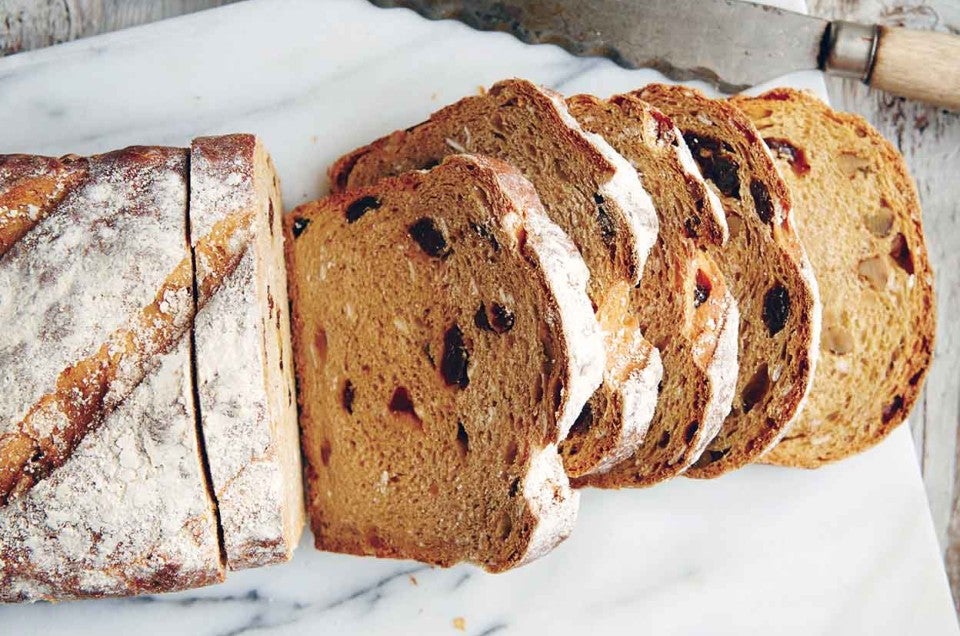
{"x": 846, "y": 549}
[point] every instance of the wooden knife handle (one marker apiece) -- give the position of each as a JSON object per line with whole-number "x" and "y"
{"x": 920, "y": 65}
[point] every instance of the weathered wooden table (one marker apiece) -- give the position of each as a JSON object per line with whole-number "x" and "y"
{"x": 927, "y": 137}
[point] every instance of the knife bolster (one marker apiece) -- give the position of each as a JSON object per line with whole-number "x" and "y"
{"x": 849, "y": 49}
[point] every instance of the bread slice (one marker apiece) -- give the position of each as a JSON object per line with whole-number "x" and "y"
{"x": 587, "y": 189}
{"x": 766, "y": 269}
{"x": 460, "y": 349}
{"x": 682, "y": 301}
{"x": 31, "y": 186}
{"x": 859, "y": 217}
{"x": 79, "y": 337}
{"x": 243, "y": 351}
{"x": 127, "y": 513}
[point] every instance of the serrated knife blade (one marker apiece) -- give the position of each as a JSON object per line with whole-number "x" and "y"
{"x": 728, "y": 43}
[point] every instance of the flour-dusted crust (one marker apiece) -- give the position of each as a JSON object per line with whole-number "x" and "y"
{"x": 859, "y": 216}
{"x": 682, "y": 303}
{"x": 244, "y": 356}
{"x": 766, "y": 268}
{"x": 587, "y": 189}
{"x": 433, "y": 393}
{"x": 30, "y": 187}
{"x": 128, "y": 513}
{"x": 80, "y": 336}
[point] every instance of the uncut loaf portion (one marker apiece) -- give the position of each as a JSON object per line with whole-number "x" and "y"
{"x": 766, "y": 268}
{"x": 859, "y": 217}
{"x": 460, "y": 349}
{"x": 587, "y": 189}
{"x": 682, "y": 302}
{"x": 112, "y": 499}
{"x": 104, "y": 282}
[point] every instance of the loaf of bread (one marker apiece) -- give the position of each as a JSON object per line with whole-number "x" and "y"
{"x": 682, "y": 301}
{"x": 859, "y": 217}
{"x": 766, "y": 268}
{"x": 107, "y": 345}
{"x": 587, "y": 189}
{"x": 444, "y": 344}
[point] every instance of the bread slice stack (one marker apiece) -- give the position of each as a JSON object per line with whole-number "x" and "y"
{"x": 726, "y": 294}
{"x": 105, "y": 485}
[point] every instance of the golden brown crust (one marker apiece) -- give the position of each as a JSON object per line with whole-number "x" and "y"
{"x": 766, "y": 268}
{"x": 30, "y": 187}
{"x": 859, "y": 216}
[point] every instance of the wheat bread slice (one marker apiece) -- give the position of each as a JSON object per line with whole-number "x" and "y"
{"x": 766, "y": 269}
{"x": 459, "y": 349}
{"x": 587, "y": 189}
{"x": 682, "y": 301}
{"x": 127, "y": 513}
{"x": 859, "y": 217}
{"x": 244, "y": 357}
{"x": 79, "y": 335}
{"x": 30, "y": 187}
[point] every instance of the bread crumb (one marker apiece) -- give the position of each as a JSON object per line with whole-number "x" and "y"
{"x": 413, "y": 580}
{"x": 460, "y": 623}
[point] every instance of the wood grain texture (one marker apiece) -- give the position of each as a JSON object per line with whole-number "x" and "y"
{"x": 920, "y": 65}
{"x": 31, "y": 24}
{"x": 929, "y": 139}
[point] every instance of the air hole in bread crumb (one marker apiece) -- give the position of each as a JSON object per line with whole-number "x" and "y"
{"x": 583, "y": 422}
{"x": 325, "y": 450}
{"x": 348, "y": 395}
{"x": 463, "y": 440}
{"x": 664, "y": 440}
{"x": 891, "y": 410}
{"x": 900, "y": 253}
{"x": 756, "y": 389}
{"x": 402, "y": 403}
{"x": 514, "y": 487}
{"x": 691, "y": 431}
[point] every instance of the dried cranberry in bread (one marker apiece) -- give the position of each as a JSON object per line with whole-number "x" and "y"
{"x": 31, "y": 186}
{"x": 682, "y": 301}
{"x": 859, "y": 217}
{"x": 244, "y": 356}
{"x": 81, "y": 332}
{"x": 444, "y": 343}
{"x": 588, "y": 190}
{"x": 127, "y": 513}
{"x": 766, "y": 269}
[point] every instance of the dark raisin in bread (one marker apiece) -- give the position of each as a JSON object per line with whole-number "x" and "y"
{"x": 766, "y": 269}
{"x": 682, "y": 301}
{"x": 859, "y": 217}
{"x": 444, "y": 343}
{"x": 587, "y": 189}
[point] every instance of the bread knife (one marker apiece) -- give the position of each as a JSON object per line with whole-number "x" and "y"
{"x": 729, "y": 43}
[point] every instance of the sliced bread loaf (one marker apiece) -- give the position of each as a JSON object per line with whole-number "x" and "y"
{"x": 859, "y": 217}
{"x": 587, "y": 189}
{"x": 243, "y": 351}
{"x": 682, "y": 301}
{"x": 766, "y": 269}
{"x": 460, "y": 349}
